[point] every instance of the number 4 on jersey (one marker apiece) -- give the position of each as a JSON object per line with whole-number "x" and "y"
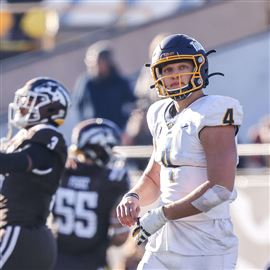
{"x": 228, "y": 117}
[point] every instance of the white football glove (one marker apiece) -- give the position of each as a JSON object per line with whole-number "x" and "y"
{"x": 148, "y": 224}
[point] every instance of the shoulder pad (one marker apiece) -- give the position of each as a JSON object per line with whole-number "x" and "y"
{"x": 155, "y": 112}
{"x": 220, "y": 111}
{"x": 50, "y": 137}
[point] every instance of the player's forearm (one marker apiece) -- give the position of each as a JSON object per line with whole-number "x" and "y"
{"x": 148, "y": 186}
{"x": 183, "y": 207}
{"x": 147, "y": 189}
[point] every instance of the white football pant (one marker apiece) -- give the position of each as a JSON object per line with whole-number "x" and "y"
{"x": 174, "y": 261}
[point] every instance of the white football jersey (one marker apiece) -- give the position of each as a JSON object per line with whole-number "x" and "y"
{"x": 183, "y": 168}
{"x": 176, "y": 138}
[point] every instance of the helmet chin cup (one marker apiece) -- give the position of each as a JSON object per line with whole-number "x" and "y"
{"x": 176, "y": 94}
{"x": 181, "y": 97}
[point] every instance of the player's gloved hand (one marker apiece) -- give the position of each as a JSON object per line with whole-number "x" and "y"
{"x": 148, "y": 224}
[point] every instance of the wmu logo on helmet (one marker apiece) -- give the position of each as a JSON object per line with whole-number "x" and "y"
{"x": 197, "y": 46}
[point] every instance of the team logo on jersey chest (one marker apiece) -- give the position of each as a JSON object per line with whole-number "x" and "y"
{"x": 171, "y": 177}
{"x": 170, "y": 124}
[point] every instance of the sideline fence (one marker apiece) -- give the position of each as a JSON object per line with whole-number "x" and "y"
{"x": 144, "y": 151}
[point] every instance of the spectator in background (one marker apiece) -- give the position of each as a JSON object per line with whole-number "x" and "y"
{"x": 260, "y": 133}
{"x": 84, "y": 213}
{"x": 103, "y": 91}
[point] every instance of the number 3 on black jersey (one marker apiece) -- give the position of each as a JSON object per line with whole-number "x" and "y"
{"x": 228, "y": 117}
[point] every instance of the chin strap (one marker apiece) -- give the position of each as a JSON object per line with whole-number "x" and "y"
{"x": 211, "y": 51}
{"x": 149, "y": 65}
{"x": 215, "y": 73}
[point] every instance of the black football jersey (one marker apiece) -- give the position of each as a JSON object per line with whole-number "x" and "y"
{"x": 29, "y": 193}
{"x": 83, "y": 205}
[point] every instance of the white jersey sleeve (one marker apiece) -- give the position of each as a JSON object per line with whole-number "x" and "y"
{"x": 220, "y": 111}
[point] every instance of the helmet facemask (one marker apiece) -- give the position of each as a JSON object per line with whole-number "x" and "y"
{"x": 25, "y": 109}
{"x": 181, "y": 90}
{"x": 101, "y": 155}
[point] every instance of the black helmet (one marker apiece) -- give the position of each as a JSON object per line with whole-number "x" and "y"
{"x": 40, "y": 100}
{"x": 95, "y": 138}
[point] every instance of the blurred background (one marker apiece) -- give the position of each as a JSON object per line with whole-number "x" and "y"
{"x": 50, "y": 38}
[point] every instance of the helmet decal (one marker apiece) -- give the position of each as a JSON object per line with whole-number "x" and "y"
{"x": 197, "y": 45}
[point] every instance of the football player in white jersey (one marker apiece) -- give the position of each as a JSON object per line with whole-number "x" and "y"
{"x": 192, "y": 167}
